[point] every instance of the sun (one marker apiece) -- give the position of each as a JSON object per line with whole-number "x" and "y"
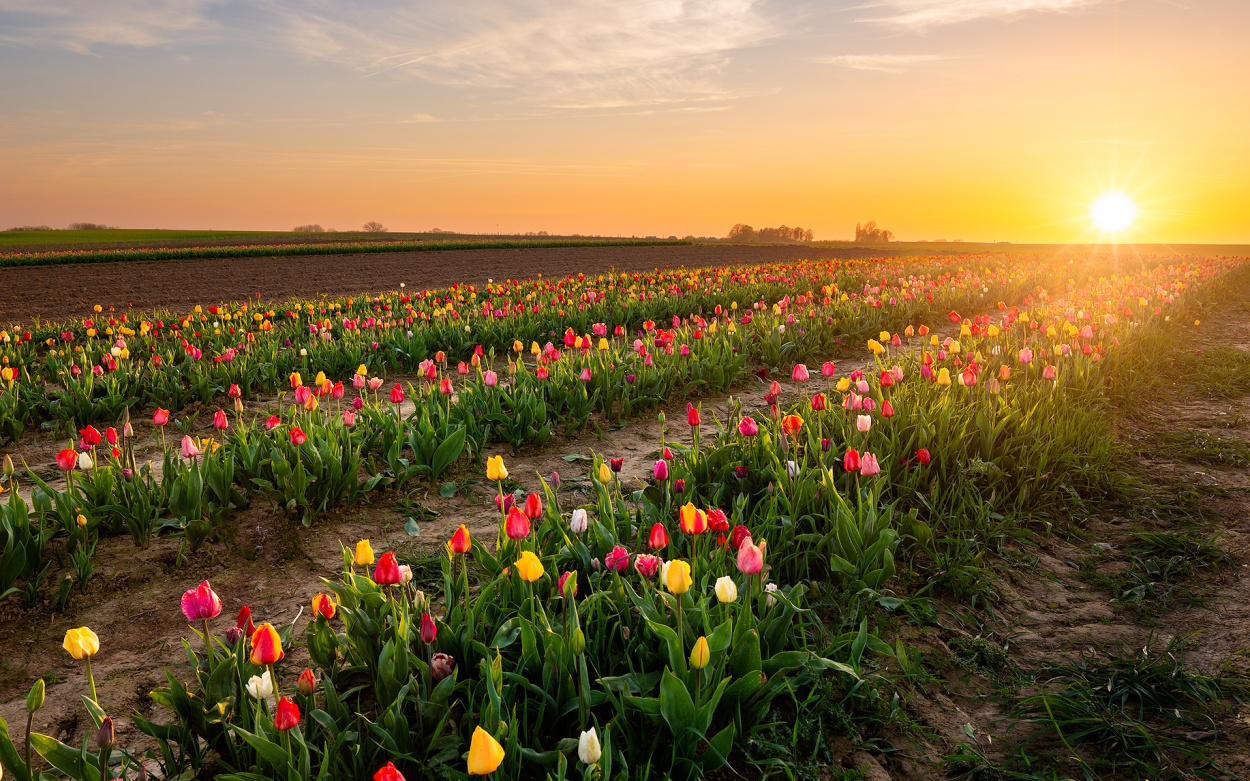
{"x": 1113, "y": 212}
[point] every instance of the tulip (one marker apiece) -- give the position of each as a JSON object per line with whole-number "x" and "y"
{"x": 397, "y": 394}
{"x": 272, "y": 422}
{"x": 579, "y": 522}
{"x": 389, "y": 773}
{"x": 646, "y": 564}
{"x": 658, "y": 538}
{"x": 692, "y": 415}
{"x": 266, "y": 646}
{"x": 364, "y": 554}
{"x": 189, "y": 450}
{"x": 750, "y": 557}
{"x": 260, "y": 687}
{"x": 700, "y": 654}
{"x": 726, "y": 589}
{"x": 564, "y": 579}
{"x": 820, "y": 402}
{"x": 1050, "y": 372}
{"x": 287, "y": 715}
{"x": 605, "y": 474}
{"x": 105, "y": 736}
{"x": 441, "y": 666}
{"x": 617, "y": 559}
{"x": 529, "y": 567}
{"x": 588, "y": 749}
{"x": 429, "y": 630}
{"x": 618, "y": 464}
{"x": 495, "y": 470}
{"x": 516, "y": 525}
{"x": 485, "y": 753}
{"x": 375, "y": 383}
{"x": 405, "y": 574}
{"x": 791, "y": 424}
{"x": 533, "y": 507}
{"x": 82, "y": 644}
{"x": 741, "y": 471}
{"x": 460, "y": 542}
{"x": 323, "y": 606}
{"x": 677, "y": 577}
{"x": 84, "y": 461}
{"x": 692, "y": 520}
{"x": 887, "y": 409}
{"x": 869, "y": 466}
{"x": 863, "y": 423}
{"x": 827, "y": 369}
{"x": 748, "y": 427}
{"x": 660, "y": 471}
{"x": 490, "y": 379}
{"x": 349, "y": 417}
{"x": 386, "y": 573}
{"x": 800, "y": 373}
{"x": 201, "y": 603}
{"x": 160, "y": 417}
{"x": 90, "y": 436}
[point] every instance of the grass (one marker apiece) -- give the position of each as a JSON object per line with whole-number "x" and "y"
{"x": 328, "y": 247}
{"x": 1198, "y": 447}
{"x": 1163, "y": 569}
{"x": 1146, "y": 714}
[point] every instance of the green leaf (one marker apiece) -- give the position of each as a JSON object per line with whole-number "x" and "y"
{"x": 412, "y": 527}
{"x": 9, "y": 758}
{"x": 448, "y": 490}
{"x": 676, "y": 705}
{"x": 70, "y": 761}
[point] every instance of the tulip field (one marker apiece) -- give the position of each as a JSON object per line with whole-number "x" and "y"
{"x": 677, "y": 524}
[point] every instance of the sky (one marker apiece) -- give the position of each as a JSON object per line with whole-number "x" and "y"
{"x": 986, "y": 120}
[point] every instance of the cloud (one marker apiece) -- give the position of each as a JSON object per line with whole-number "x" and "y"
{"x": 580, "y": 54}
{"x": 921, "y": 14}
{"x": 567, "y": 53}
{"x": 82, "y": 25}
{"x": 420, "y": 118}
{"x": 884, "y": 63}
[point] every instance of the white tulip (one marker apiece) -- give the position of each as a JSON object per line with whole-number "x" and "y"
{"x": 84, "y": 461}
{"x": 579, "y": 522}
{"x": 588, "y": 750}
{"x": 726, "y": 589}
{"x": 260, "y": 686}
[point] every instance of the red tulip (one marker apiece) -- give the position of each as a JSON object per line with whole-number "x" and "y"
{"x": 658, "y": 538}
{"x": 692, "y": 415}
{"x": 287, "y": 716}
{"x": 220, "y": 421}
{"x": 272, "y": 422}
{"x": 111, "y": 435}
{"x": 717, "y": 521}
{"x": 323, "y": 606}
{"x": 922, "y": 455}
{"x": 820, "y": 402}
{"x": 66, "y": 459}
{"x": 386, "y": 571}
{"x": 533, "y": 507}
{"x": 306, "y": 683}
{"x": 397, "y": 394}
{"x": 429, "y": 630}
{"x": 517, "y": 525}
{"x": 850, "y": 461}
{"x": 298, "y": 437}
{"x": 565, "y": 579}
{"x": 201, "y": 603}
{"x": 90, "y": 436}
{"x": 617, "y": 464}
{"x": 887, "y": 409}
{"x": 737, "y": 536}
{"x": 460, "y": 541}
{"x": 389, "y": 773}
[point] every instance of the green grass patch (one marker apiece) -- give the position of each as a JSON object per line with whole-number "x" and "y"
{"x": 1198, "y": 447}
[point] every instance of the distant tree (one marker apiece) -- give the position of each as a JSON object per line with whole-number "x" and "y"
{"x": 91, "y": 226}
{"x": 784, "y": 234}
{"x": 29, "y": 228}
{"x": 869, "y": 233}
{"x": 741, "y": 232}
{"x": 373, "y": 227}
{"x": 310, "y": 228}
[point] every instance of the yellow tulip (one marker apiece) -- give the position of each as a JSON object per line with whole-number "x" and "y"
{"x": 495, "y": 470}
{"x": 529, "y": 567}
{"x": 603, "y": 343}
{"x": 485, "y": 753}
{"x": 535, "y": 349}
{"x": 944, "y": 377}
{"x": 605, "y": 474}
{"x": 364, "y": 554}
{"x": 875, "y": 346}
{"x": 517, "y": 346}
{"x": 933, "y": 341}
{"x": 677, "y": 577}
{"x": 81, "y": 643}
{"x": 955, "y": 348}
{"x": 844, "y": 385}
{"x": 361, "y": 370}
{"x": 884, "y": 336}
{"x": 700, "y": 654}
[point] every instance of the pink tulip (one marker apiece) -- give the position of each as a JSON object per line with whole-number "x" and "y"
{"x": 750, "y": 557}
{"x": 617, "y": 559}
{"x": 863, "y": 423}
{"x": 827, "y": 369}
{"x": 661, "y": 470}
{"x": 585, "y": 375}
{"x": 349, "y": 417}
{"x": 1050, "y": 372}
{"x": 748, "y": 427}
{"x": 189, "y": 450}
{"x": 358, "y": 381}
{"x": 201, "y": 603}
{"x": 647, "y": 564}
{"x": 868, "y": 466}
{"x": 490, "y": 379}
{"x": 799, "y": 374}
{"x": 220, "y": 421}
{"x": 375, "y": 383}
{"x": 272, "y": 422}
{"x": 1026, "y": 356}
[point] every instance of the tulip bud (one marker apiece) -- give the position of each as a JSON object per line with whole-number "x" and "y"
{"x": 579, "y": 641}
{"x": 104, "y": 736}
{"x": 306, "y": 683}
{"x": 34, "y": 700}
{"x": 8, "y": 466}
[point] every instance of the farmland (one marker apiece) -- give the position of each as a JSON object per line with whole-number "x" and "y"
{"x": 810, "y": 515}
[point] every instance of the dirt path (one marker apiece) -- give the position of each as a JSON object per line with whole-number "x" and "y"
{"x": 59, "y": 292}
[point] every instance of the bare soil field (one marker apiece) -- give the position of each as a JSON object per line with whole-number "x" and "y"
{"x": 59, "y": 291}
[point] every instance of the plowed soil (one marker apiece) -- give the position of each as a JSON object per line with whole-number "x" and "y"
{"x": 60, "y": 292}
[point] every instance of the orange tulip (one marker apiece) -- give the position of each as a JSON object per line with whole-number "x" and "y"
{"x": 460, "y": 541}
{"x": 323, "y": 606}
{"x": 266, "y": 646}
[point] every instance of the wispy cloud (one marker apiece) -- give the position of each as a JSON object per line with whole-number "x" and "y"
{"x": 884, "y": 63}
{"x": 420, "y": 118}
{"x": 82, "y": 25}
{"x": 567, "y": 53}
{"x": 921, "y": 14}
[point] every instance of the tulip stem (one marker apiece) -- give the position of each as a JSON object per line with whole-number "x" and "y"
{"x": 30, "y": 722}
{"x": 91, "y": 680}
{"x": 208, "y": 648}
{"x": 277, "y": 695}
